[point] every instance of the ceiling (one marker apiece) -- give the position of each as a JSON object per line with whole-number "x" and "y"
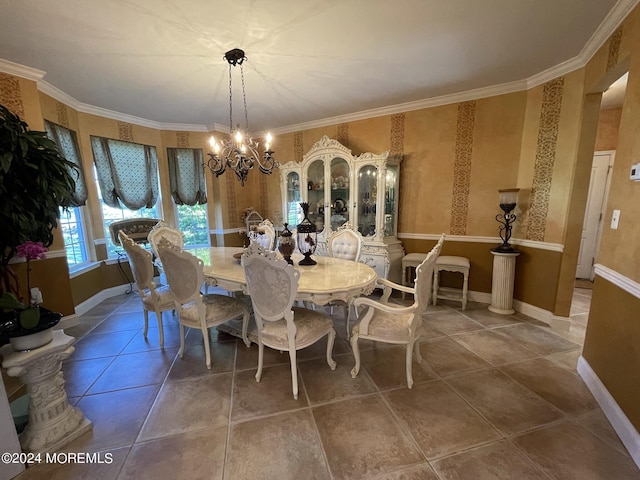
{"x": 308, "y": 60}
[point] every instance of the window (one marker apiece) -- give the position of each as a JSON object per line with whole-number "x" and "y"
{"x": 71, "y": 221}
{"x": 186, "y": 176}
{"x": 127, "y": 178}
{"x": 73, "y": 234}
{"x": 192, "y": 222}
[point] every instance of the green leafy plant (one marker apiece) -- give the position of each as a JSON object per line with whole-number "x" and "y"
{"x": 28, "y": 316}
{"x": 35, "y": 181}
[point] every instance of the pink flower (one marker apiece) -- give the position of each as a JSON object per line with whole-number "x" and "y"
{"x": 31, "y": 250}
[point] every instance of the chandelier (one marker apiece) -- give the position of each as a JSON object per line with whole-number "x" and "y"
{"x": 239, "y": 152}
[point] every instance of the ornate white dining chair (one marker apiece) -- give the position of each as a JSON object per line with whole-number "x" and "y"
{"x": 382, "y": 321}
{"x": 346, "y": 243}
{"x": 273, "y": 284}
{"x": 195, "y": 310}
{"x": 153, "y": 299}
{"x": 268, "y": 238}
{"x": 163, "y": 231}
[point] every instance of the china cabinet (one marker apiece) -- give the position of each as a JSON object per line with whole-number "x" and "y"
{"x": 341, "y": 187}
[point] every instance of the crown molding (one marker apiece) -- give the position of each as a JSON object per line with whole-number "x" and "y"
{"x": 20, "y": 70}
{"x": 465, "y": 96}
{"x": 606, "y": 28}
{"x": 611, "y": 22}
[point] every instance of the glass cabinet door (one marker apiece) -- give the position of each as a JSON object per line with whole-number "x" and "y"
{"x": 367, "y": 188}
{"x": 315, "y": 193}
{"x": 293, "y": 215}
{"x": 390, "y": 201}
{"x": 339, "y": 192}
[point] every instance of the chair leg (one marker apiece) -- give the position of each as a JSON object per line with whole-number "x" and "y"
{"x": 330, "y": 339}
{"x": 245, "y": 326}
{"x": 416, "y": 349}
{"x": 436, "y": 280}
{"x": 260, "y": 360}
{"x": 207, "y": 347}
{"x": 409, "y": 354}
{"x": 181, "y": 351}
{"x": 294, "y": 372}
{"x": 146, "y": 322}
{"x": 160, "y": 328}
{"x": 356, "y": 355}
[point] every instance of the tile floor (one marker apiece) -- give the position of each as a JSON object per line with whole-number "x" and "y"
{"x": 496, "y": 397}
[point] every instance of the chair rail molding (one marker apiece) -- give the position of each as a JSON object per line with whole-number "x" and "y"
{"x": 554, "y": 247}
{"x": 619, "y": 280}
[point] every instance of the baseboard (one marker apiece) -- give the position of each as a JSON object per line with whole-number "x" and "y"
{"x": 67, "y": 321}
{"x": 91, "y": 302}
{"x": 619, "y": 421}
{"x": 532, "y": 311}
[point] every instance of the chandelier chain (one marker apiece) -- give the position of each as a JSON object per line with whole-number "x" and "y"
{"x": 239, "y": 152}
{"x": 244, "y": 96}
{"x": 230, "y": 101}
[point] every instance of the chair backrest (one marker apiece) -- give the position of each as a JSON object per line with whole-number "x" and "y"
{"x": 184, "y": 273}
{"x": 161, "y": 231}
{"x": 424, "y": 277}
{"x": 268, "y": 238}
{"x": 140, "y": 261}
{"x": 346, "y": 242}
{"x": 272, "y": 284}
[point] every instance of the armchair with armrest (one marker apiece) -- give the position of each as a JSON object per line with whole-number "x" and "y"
{"x": 385, "y": 322}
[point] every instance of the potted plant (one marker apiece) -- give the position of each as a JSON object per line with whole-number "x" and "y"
{"x": 35, "y": 181}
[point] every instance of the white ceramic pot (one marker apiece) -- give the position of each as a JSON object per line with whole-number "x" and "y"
{"x": 32, "y": 341}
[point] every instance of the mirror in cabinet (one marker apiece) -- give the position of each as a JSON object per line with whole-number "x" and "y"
{"x": 368, "y": 196}
{"x": 315, "y": 194}
{"x": 390, "y": 200}
{"x": 340, "y": 176}
{"x": 292, "y": 194}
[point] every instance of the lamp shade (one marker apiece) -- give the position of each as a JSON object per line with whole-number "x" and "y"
{"x": 508, "y": 196}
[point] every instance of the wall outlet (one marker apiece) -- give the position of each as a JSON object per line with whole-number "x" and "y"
{"x": 615, "y": 218}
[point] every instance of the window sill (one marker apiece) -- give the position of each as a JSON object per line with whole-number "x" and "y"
{"x": 82, "y": 269}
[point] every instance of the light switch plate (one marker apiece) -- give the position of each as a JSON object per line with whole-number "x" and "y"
{"x": 615, "y": 218}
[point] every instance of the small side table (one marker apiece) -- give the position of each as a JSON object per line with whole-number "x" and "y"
{"x": 411, "y": 260}
{"x": 451, "y": 263}
{"x": 53, "y": 422}
{"x": 504, "y": 268}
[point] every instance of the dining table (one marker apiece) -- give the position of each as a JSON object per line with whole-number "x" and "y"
{"x": 330, "y": 280}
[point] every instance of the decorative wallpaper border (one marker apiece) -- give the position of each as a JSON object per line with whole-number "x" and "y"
{"x": 125, "y": 131}
{"x": 298, "y": 149}
{"x": 397, "y": 134}
{"x": 62, "y": 114}
{"x": 614, "y": 49}
{"x": 10, "y": 95}
{"x": 462, "y": 168}
{"x": 230, "y": 182}
{"x": 545, "y": 158}
{"x": 343, "y": 134}
{"x": 182, "y": 139}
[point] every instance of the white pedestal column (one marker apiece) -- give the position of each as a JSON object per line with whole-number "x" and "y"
{"x": 52, "y": 421}
{"x": 504, "y": 269}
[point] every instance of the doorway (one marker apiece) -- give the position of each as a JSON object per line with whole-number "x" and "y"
{"x": 594, "y": 216}
{"x": 594, "y": 213}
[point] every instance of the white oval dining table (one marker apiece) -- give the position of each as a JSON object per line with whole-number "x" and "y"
{"x": 330, "y": 280}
